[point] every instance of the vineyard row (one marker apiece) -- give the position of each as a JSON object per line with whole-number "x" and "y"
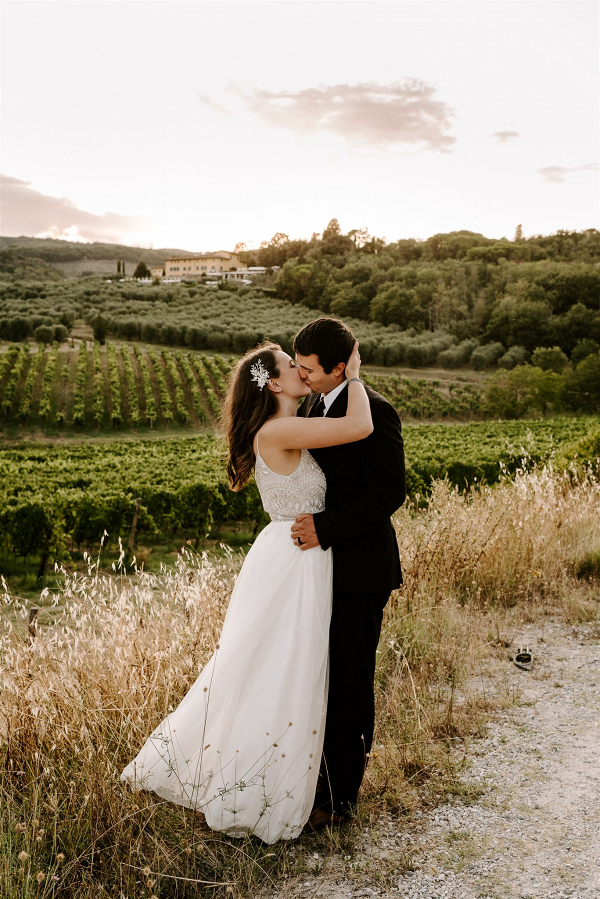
{"x": 53, "y": 497}
{"x": 128, "y": 386}
{"x": 110, "y": 387}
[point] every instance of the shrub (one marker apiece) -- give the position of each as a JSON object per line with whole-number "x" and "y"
{"x": 584, "y": 348}
{"x": 100, "y": 326}
{"x": 524, "y": 389}
{"x": 244, "y": 340}
{"x": 549, "y": 358}
{"x": 486, "y": 356}
{"x": 60, "y": 333}
{"x": 16, "y": 328}
{"x": 128, "y": 329}
{"x": 582, "y": 386}
{"x": 149, "y": 332}
{"x": 195, "y": 337}
{"x": 44, "y": 333}
{"x": 585, "y": 453}
{"x": 516, "y": 355}
{"x": 457, "y": 355}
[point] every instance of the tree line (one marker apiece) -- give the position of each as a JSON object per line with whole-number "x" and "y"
{"x": 452, "y": 300}
{"x": 526, "y": 293}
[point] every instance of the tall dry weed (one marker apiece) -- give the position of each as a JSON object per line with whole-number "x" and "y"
{"x": 502, "y": 544}
{"x": 468, "y": 560}
{"x": 116, "y": 653}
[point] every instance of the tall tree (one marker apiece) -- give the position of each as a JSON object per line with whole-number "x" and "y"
{"x": 142, "y": 270}
{"x": 332, "y": 230}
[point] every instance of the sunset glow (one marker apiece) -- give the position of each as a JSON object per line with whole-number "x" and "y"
{"x": 196, "y": 125}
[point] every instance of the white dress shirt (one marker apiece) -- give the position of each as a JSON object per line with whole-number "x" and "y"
{"x": 331, "y": 396}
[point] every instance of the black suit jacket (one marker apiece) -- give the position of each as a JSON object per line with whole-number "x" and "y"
{"x": 365, "y": 486}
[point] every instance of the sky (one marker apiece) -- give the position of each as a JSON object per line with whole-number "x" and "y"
{"x": 198, "y": 125}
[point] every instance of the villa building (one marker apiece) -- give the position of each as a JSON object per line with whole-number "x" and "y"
{"x": 192, "y": 267}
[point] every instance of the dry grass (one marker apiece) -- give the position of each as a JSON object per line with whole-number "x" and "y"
{"x": 119, "y": 652}
{"x": 475, "y": 566}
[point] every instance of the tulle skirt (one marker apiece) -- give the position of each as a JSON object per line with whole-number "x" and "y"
{"x": 244, "y": 745}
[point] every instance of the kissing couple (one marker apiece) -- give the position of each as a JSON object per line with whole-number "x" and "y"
{"x": 275, "y": 733}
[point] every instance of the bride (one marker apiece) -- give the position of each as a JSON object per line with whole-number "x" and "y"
{"x": 244, "y": 745}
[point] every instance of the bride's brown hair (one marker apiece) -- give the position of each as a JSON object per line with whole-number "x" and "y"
{"x": 247, "y": 407}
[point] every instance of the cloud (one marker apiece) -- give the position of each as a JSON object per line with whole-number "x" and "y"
{"x": 555, "y": 174}
{"x": 27, "y": 212}
{"x": 365, "y": 115}
{"x": 503, "y": 136}
{"x": 212, "y": 104}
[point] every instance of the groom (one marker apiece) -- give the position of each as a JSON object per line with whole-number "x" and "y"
{"x": 365, "y": 486}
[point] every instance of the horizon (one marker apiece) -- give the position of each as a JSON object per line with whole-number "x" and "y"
{"x": 154, "y": 249}
{"x": 415, "y": 117}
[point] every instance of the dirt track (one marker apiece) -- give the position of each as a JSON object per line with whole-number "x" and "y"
{"x": 535, "y": 830}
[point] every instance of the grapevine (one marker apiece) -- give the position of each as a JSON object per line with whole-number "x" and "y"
{"x": 28, "y": 388}
{"x": 423, "y": 399}
{"x": 80, "y": 382}
{"x": 215, "y": 373}
{"x": 180, "y": 403}
{"x": 114, "y": 385}
{"x": 132, "y": 388}
{"x": 45, "y": 399}
{"x": 13, "y": 378}
{"x": 98, "y": 405}
{"x": 183, "y": 485}
{"x": 187, "y": 370}
{"x": 225, "y": 365}
{"x": 166, "y": 405}
{"x": 198, "y": 363}
{"x": 7, "y": 359}
{"x": 149, "y": 403}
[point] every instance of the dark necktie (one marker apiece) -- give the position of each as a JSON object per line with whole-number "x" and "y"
{"x": 317, "y": 409}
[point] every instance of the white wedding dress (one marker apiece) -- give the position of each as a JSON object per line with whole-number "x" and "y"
{"x": 244, "y": 745}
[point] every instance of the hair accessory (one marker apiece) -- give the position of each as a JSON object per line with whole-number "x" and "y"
{"x": 259, "y": 374}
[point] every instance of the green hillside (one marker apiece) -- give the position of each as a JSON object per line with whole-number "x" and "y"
{"x": 40, "y": 259}
{"x": 51, "y": 251}
{"x": 453, "y": 300}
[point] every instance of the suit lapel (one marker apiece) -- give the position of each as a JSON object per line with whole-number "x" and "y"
{"x": 339, "y": 407}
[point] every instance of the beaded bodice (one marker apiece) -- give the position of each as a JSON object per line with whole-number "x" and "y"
{"x": 286, "y": 495}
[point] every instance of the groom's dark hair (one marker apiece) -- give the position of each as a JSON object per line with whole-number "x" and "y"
{"x": 329, "y": 339}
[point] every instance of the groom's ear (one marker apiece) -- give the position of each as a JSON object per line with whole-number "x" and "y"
{"x": 339, "y": 369}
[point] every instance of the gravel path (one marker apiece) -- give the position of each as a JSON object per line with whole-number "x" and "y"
{"x": 535, "y": 831}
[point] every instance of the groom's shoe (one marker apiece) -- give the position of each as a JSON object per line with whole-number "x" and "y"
{"x": 320, "y": 819}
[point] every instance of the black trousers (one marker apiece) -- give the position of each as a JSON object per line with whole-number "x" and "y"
{"x": 353, "y": 637}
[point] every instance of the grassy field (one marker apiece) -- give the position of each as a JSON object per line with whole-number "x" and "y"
{"x": 115, "y": 650}
{"x": 118, "y": 640}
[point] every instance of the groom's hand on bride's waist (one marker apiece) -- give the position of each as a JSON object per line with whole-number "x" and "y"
{"x": 304, "y": 534}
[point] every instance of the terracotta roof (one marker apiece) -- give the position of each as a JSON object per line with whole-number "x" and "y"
{"x": 219, "y": 254}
